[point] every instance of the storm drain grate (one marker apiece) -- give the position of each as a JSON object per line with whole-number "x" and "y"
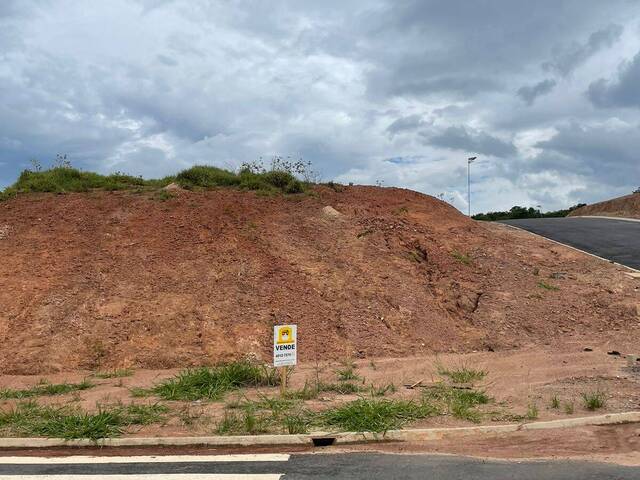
{"x": 323, "y": 441}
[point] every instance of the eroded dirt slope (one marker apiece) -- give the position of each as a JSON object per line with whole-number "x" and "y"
{"x": 120, "y": 279}
{"x": 627, "y": 206}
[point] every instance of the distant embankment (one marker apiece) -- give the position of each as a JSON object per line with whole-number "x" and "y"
{"x": 627, "y": 206}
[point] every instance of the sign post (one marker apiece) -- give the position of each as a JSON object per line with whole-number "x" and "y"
{"x": 285, "y": 348}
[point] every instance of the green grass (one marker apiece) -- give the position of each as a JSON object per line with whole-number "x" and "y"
{"x": 364, "y": 414}
{"x": 461, "y": 257}
{"x": 212, "y": 383}
{"x": 381, "y": 390}
{"x": 568, "y": 408}
{"x": 144, "y": 414}
{"x": 375, "y": 415}
{"x": 311, "y": 391}
{"x": 247, "y": 421}
{"x": 532, "y": 411}
{"x": 116, "y": 373}
{"x": 461, "y": 374}
{"x": 62, "y": 179}
{"x": 139, "y": 392}
{"x": 547, "y": 286}
{"x": 265, "y": 414}
{"x": 594, "y": 400}
{"x": 230, "y": 424}
{"x": 347, "y": 372}
{"x": 31, "y": 419}
{"x": 341, "y": 388}
{"x": 163, "y": 195}
{"x": 555, "y": 402}
{"x": 208, "y": 177}
{"x": 276, "y": 405}
{"x": 460, "y": 403}
{"x": 308, "y": 392}
{"x": 44, "y": 389}
{"x": 296, "y": 423}
{"x": 68, "y": 179}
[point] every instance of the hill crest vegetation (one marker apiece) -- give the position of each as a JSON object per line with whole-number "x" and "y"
{"x": 280, "y": 177}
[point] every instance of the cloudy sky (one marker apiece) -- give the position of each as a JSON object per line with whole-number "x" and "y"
{"x": 546, "y": 93}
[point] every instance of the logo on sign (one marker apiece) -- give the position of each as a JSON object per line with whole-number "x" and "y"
{"x": 284, "y": 335}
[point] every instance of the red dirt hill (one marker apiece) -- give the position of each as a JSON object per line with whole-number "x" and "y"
{"x": 627, "y": 206}
{"x": 98, "y": 280}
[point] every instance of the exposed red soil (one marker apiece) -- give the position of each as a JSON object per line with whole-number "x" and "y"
{"x": 627, "y": 206}
{"x": 102, "y": 280}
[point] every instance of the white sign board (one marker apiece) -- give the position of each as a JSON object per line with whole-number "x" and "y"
{"x": 285, "y": 345}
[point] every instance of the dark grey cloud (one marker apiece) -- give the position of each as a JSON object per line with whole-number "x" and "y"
{"x": 460, "y": 138}
{"x": 567, "y": 59}
{"x": 167, "y": 60}
{"x": 529, "y": 93}
{"x": 408, "y": 123}
{"x": 605, "y": 153}
{"x": 624, "y": 91}
{"x": 465, "y": 48}
{"x": 457, "y": 85}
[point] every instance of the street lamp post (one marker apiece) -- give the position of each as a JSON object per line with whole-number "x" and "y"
{"x": 469, "y": 162}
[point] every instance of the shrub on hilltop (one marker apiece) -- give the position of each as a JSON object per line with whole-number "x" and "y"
{"x": 282, "y": 176}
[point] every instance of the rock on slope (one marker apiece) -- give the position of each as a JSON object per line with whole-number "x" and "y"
{"x": 99, "y": 280}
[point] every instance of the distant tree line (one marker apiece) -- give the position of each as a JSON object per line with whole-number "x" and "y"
{"x": 524, "y": 212}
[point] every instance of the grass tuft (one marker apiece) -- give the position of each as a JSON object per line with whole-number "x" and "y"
{"x": 381, "y": 391}
{"x": 116, "y": 373}
{"x": 555, "y": 402}
{"x": 341, "y": 388}
{"x": 375, "y": 415}
{"x": 231, "y": 423}
{"x": 308, "y": 392}
{"x": 44, "y": 389}
{"x": 205, "y": 176}
{"x": 212, "y": 383}
{"x": 461, "y": 257}
{"x": 31, "y": 419}
{"x": 461, "y": 374}
{"x": 347, "y": 372}
{"x": 594, "y": 400}
{"x": 547, "y": 286}
{"x": 460, "y": 403}
{"x": 568, "y": 408}
{"x": 297, "y": 423}
{"x": 68, "y": 179}
{"x": 532, "y": 411}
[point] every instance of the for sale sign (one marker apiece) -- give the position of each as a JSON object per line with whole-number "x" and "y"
{"x": 284, "y": 345}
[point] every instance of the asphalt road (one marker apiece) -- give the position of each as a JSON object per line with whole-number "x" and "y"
{"x": 351, "y": 466}
{"x": 617, "y": 240}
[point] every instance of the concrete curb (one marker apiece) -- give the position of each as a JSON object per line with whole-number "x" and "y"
{"x": 409, "y": 435}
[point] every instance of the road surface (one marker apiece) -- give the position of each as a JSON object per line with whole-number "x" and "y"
{"x": 347, "y": 466}
{"x": 617, "y": 240}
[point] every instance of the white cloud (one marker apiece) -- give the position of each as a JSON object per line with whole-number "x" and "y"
{"x": 396, "y": 92}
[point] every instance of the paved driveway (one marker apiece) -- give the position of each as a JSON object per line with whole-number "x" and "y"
{"x": 617, "y": 240}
